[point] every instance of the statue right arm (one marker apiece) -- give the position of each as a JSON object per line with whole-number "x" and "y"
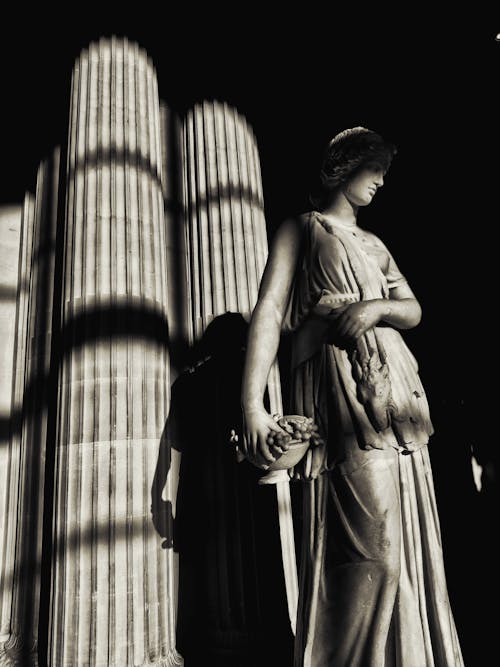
{"x": 263, "y": 340}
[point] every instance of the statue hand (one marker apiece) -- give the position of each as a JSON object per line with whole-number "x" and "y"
{"x": 256, "y": 426}
{"x": 355, "y": 319}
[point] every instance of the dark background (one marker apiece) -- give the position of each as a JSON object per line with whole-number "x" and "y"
{"x": 428, "y": 84}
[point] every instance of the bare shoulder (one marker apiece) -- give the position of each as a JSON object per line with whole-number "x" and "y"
{"x": 294, "y": 225}
{"x": 288, "y": 236}
{"x": 284, "y": 251}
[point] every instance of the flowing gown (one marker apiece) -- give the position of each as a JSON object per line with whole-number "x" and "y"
{"x": 372, "y": 581}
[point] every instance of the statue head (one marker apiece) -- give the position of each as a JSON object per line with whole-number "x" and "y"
{"x": 346, "y": 154}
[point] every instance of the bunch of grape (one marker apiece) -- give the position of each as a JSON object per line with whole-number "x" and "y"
{"x": 295, "y": 429}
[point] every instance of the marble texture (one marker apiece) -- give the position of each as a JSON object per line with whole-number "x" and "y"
{"x": 113, "y": 589}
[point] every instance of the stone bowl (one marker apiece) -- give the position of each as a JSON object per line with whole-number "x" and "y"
{"x": 277, "y": 471}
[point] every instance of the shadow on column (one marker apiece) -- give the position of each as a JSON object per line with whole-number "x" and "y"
{"x": 232, "y": 603}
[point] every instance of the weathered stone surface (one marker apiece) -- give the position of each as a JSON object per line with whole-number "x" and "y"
{"x": 10, "y": 296}
{"x": 33, "y": 395}
{"x": 113, "y": 588}
{"x": 226, "y": 232}
{"x": 226, "y": 251}
{"x": 155, "y": 229}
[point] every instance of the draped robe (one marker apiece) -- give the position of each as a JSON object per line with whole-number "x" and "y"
{"x": 372, "y": 582}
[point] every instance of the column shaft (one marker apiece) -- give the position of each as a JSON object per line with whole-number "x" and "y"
{"x": 34, "y": 394}
{"x": 112, "y": 591}
{"x": 226, "y": 232}
{"x": 15, "y": 262}
{"x": 226, "y": 237}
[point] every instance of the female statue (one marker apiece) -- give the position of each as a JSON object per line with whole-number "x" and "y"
{"x": 372, "y": 582}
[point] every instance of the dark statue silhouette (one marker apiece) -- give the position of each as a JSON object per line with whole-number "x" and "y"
{"x": 232, "y": 603}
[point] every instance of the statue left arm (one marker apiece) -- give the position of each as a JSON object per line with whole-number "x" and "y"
{"x": 401, "y": 311}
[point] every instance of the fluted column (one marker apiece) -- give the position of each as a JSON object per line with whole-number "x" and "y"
{"x": 226, "y": 236}
{"x": 226, "y": 229}
{"x": 167, "y": 475}
{"x": 112, "y": 588}
{"x": 14, "y": 278}
{"x": 226, "y": 242}
{"x": 173, "y": 180}
{"x": 34, "y": 391}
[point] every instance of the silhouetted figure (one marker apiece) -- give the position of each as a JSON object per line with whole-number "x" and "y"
{"x": 232, "y": 604}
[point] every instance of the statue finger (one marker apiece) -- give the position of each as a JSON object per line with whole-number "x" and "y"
{"x": 277, "y": 451}
{"x": 264, "y": 450}
{"x": 253, "y": 445}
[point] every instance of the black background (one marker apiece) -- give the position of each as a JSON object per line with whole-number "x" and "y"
{"x": 429, "y": 84}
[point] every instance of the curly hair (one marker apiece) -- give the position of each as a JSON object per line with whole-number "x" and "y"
{"x": 346, "y": 152}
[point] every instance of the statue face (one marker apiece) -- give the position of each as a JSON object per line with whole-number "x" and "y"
{"x": 362, "y": 186}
